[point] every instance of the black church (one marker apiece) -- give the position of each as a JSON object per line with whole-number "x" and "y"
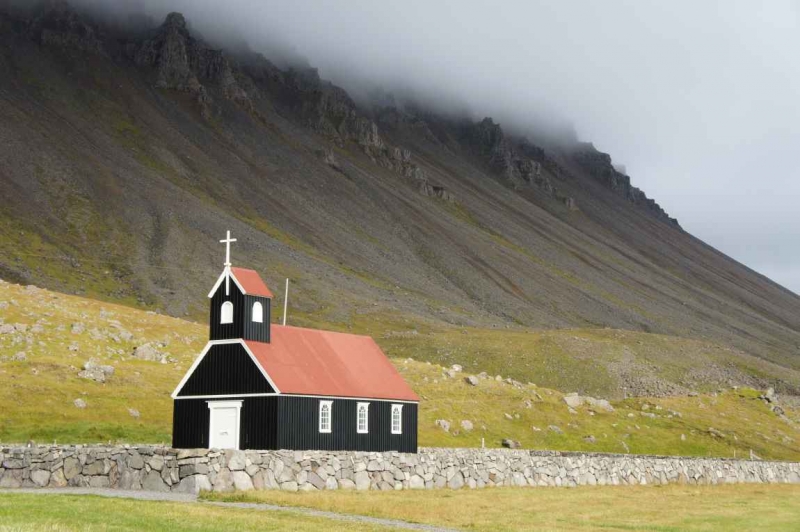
{"x": 257, "y": 385}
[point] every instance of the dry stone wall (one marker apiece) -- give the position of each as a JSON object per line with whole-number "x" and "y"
{"x": 192, "y": 470}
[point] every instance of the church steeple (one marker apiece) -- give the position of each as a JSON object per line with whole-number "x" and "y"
{"x": 243, "y": 309}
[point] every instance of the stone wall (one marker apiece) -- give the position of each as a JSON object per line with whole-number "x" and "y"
{"x": 192, "y": 470}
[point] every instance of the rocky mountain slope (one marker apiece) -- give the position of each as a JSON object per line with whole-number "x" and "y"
{"x": 125, "y": 155}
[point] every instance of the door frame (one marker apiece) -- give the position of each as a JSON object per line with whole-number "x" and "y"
{"x": 214, "y": 405}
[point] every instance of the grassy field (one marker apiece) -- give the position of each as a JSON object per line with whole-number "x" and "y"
{"x": 666, "y": 508}
{"x": 63, "y": 332}
{"x": 63, "y": 513}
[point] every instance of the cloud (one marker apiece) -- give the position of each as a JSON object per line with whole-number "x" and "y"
{"x": 697, "y": 99}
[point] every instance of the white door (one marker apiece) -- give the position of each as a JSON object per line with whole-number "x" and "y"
{"x": 224, "y": 424}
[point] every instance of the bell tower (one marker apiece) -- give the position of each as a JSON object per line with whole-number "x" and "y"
{"x": 240, "y": 303}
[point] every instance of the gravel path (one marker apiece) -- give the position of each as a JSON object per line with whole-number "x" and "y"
{"x": 189, "y": 498}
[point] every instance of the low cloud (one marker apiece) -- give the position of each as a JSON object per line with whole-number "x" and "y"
{"x": 698, "y": 100}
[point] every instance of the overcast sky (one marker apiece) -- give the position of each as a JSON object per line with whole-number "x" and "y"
{"x": 697, "y": 98}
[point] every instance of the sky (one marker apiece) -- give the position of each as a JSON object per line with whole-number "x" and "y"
{"x": 698, "y": 99}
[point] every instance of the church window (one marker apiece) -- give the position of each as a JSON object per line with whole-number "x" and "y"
{"x": 362, "y": 423}
{"x": 258, "y": 312}
{"x": 226, "y": 314}
{"x": 325, "y": 416}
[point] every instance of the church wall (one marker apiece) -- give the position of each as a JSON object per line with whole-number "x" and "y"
{"x": 190, "y": 419}
{"x": 257, "y": 424}
{"x": 226, "y": 369}
{"x": 288, "y": 422}
{"x": 298, "y": 426}
{"x": 260, "y": 332}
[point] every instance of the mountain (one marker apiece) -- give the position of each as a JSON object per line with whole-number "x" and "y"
{"x": 126, "y": 152}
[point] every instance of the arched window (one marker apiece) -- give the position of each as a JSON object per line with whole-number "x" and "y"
{"x": 362, "y": 419}
{"x": 258, "y": 312}
{"x": 325, "y": 416}
{"x": 226, "y": 313}
{"x": 397, "y": 419}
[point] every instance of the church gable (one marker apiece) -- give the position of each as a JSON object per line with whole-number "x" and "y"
{"x": 225, "y": 369}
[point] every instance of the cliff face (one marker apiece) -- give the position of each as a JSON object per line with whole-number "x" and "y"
{"x": 599, "y": 166}
{"x": 124, "y": 157}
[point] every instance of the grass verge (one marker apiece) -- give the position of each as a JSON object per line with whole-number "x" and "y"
{"x": 62, "y": 513}
{"x": 663, "y": 508}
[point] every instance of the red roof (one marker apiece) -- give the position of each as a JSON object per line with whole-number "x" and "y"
{"x": 312, "y": 362}
{"x": 251, "y": 282}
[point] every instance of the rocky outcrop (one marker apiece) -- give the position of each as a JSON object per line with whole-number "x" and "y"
{"x": 184, "y": 63}
{"x": 599, "y": 166}
{"x": 515, "y": 160}
{"x": 193, "y": 470}
{"x": 436, "y": 191}
{"x": 56, "y": 24}
{"x": 330, "y": 111}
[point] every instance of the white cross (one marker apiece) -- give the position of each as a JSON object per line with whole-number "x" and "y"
{"x": 227, "y": 243}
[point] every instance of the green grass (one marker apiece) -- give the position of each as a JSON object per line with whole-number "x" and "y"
{"x": 744, "y": 421}
{"x": 62, "y": 513}
{"x": 664, "y": 508}
{"x": 36, "y": 401}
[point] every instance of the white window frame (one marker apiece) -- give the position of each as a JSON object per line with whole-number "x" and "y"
{"x": 364, "y": 430}
{"x": 212, "y": 405}
{"x": 258, "y": 317}
{"x": 399, "y": 410}
{"x": 323, "y": 429}
{"x": 223, "y": 315}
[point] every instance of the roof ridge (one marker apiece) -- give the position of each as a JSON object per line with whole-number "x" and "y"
{"x": 322, "y": 330}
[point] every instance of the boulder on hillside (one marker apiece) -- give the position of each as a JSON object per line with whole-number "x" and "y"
{"x": 150, "y": 352}
{"x": 443, "y": 424}
{"x": 96, "y": 372}
{"x": 573, "y": 400}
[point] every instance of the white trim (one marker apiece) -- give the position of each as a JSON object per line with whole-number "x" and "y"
{"x": 229, "y": 396}
{"x": 329, "y": 404}
{"x": 212, "y": 405}
{"x": 372, "y": 399}
{"x": 365, "y": 406}
{"x": 399, "y": 409}
{"x": 226, "y": 273}
{"x": 203, "y": 354}
{"x": 224, "y": 404}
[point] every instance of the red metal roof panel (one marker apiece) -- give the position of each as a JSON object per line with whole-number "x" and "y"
{"x": 251, "y": 282}
{"x": 313, "y": 362}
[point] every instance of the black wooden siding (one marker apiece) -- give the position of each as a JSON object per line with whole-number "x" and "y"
{"x": 253, "y": 330}
{"x": 190, "y": 418}
{"x": 259, "y": 428}
{"x": 243, "y": 325}
{"x": 288, "y": 422}
{"x": 226, "y": 369}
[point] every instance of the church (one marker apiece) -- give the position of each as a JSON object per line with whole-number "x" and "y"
{"x": 259, "y": 385}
